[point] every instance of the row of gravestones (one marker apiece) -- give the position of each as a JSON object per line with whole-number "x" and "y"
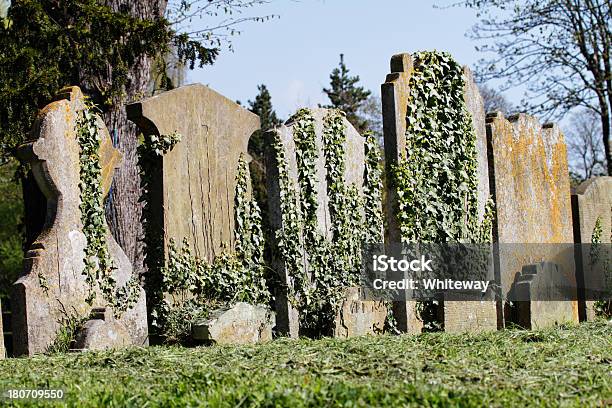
{"x": 521, "y": 165}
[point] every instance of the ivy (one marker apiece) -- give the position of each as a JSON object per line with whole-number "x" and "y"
{"x": 602, "y": 307}
{"x": 372, "y": 191}
{"x": 289, "y": 238}
{"x": 44, "y": 283}
{"x": 345, "y": 204}
{"x": 437, "y": 180}
{"x": 249, "y": 239}
{"x": 306, "y": 156}
{"x": 183, "y": 286}
{"x": 99, "y": 266}
{"x": 150, "y": 151}
{"x": 321, "y": 269}
{"x": 196, "y": 286}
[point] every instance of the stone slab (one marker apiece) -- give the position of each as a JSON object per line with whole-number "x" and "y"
{"x": 241, "y": 323}
{"x": 591, "y": 200}
{"x": 531, "y": 189}
{"x": 102, "y": 332}
{"x": 52, "y": 285}
{"x": 395, "y": 96}
{"x": 196, "y": 180}
{"x": 534, "y": 282}
{"x": 359, "y": 317}
{"x": 469, "y": 316}
{"x": 354, "y": 151}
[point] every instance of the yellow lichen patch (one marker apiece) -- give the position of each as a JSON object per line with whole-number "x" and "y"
{"x": 533, "y": 199}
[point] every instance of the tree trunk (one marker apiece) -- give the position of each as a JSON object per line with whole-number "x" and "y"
{"x": 606, "y": 140}
{"x": 124, "y": 211}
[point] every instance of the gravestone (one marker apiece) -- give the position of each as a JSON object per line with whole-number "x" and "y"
{"x": 544, "y": 280}
{"x": 53, "y": 286}
{"x": 469, "y": 316}
{"x": 353, "y": 151}
{"x": 358, "y": 317}
{"x": 241, "y": 323}
{"x": 395, "y": 98}
{"x": 195, "y": 182}
{"x": 531, "y": 189}
{"x": 591, "y": 201}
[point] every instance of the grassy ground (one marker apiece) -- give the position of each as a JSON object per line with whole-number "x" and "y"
{"x": 567, "y": 366}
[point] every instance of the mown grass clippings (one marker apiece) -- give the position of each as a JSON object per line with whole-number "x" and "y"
{"x": 565, "y": 366}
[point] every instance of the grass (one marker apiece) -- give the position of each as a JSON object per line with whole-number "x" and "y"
{"x": 565, "y": 366}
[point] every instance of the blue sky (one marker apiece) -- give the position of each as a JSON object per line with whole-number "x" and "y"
{"x": 294, "y": 54}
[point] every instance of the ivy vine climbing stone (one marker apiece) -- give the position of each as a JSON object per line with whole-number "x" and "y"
{"x": 592, "y": 215}
{"x": 436, "y": 157}
{"x": 323, "y": 179}
{"x": 190, "y": 161}
{"x": 74, "y": 265}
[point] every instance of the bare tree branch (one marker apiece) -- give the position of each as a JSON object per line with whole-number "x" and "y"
{"x": 213, "y": 23}
{"x": 558, "y": 50}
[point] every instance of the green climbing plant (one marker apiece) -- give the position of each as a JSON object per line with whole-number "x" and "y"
{"x": 437, "y": 180}
{"x": 321, "y": 269}
{"x": 183, "y": 286}
{"x": 99, "y": 266}
{"x": 194, "y": 287}
{"x": 289, "y": 239}
{"x": 602, "y": 307}
{"x": 372, "y": 190}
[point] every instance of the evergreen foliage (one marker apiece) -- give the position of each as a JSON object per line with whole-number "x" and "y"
{"x": 437, "y": 179}
{"x": 49, "y": 45}
{"x": 99, "y": 266}
{"x": 321, "y": 269}
{"x": 11, "y": 212}
{"x": 262, "y": 106}
{"x": 346, "y": 95}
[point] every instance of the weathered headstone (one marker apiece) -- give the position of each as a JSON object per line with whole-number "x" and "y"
{"x": 192, "y": 188}
{"x": 469, "y": 316}
{"x": 395, "y": 98}
{"x": 240, "y": 324}
{"x": 358, "y": 317}
{"x": 53, "y": 286}
{"x": 354, "y": 156}
{"x": 591, "y": 205}
{"x": 531, "y": 189}
{"x": 195, "y": 184}
{"x": 544, "y": 280}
